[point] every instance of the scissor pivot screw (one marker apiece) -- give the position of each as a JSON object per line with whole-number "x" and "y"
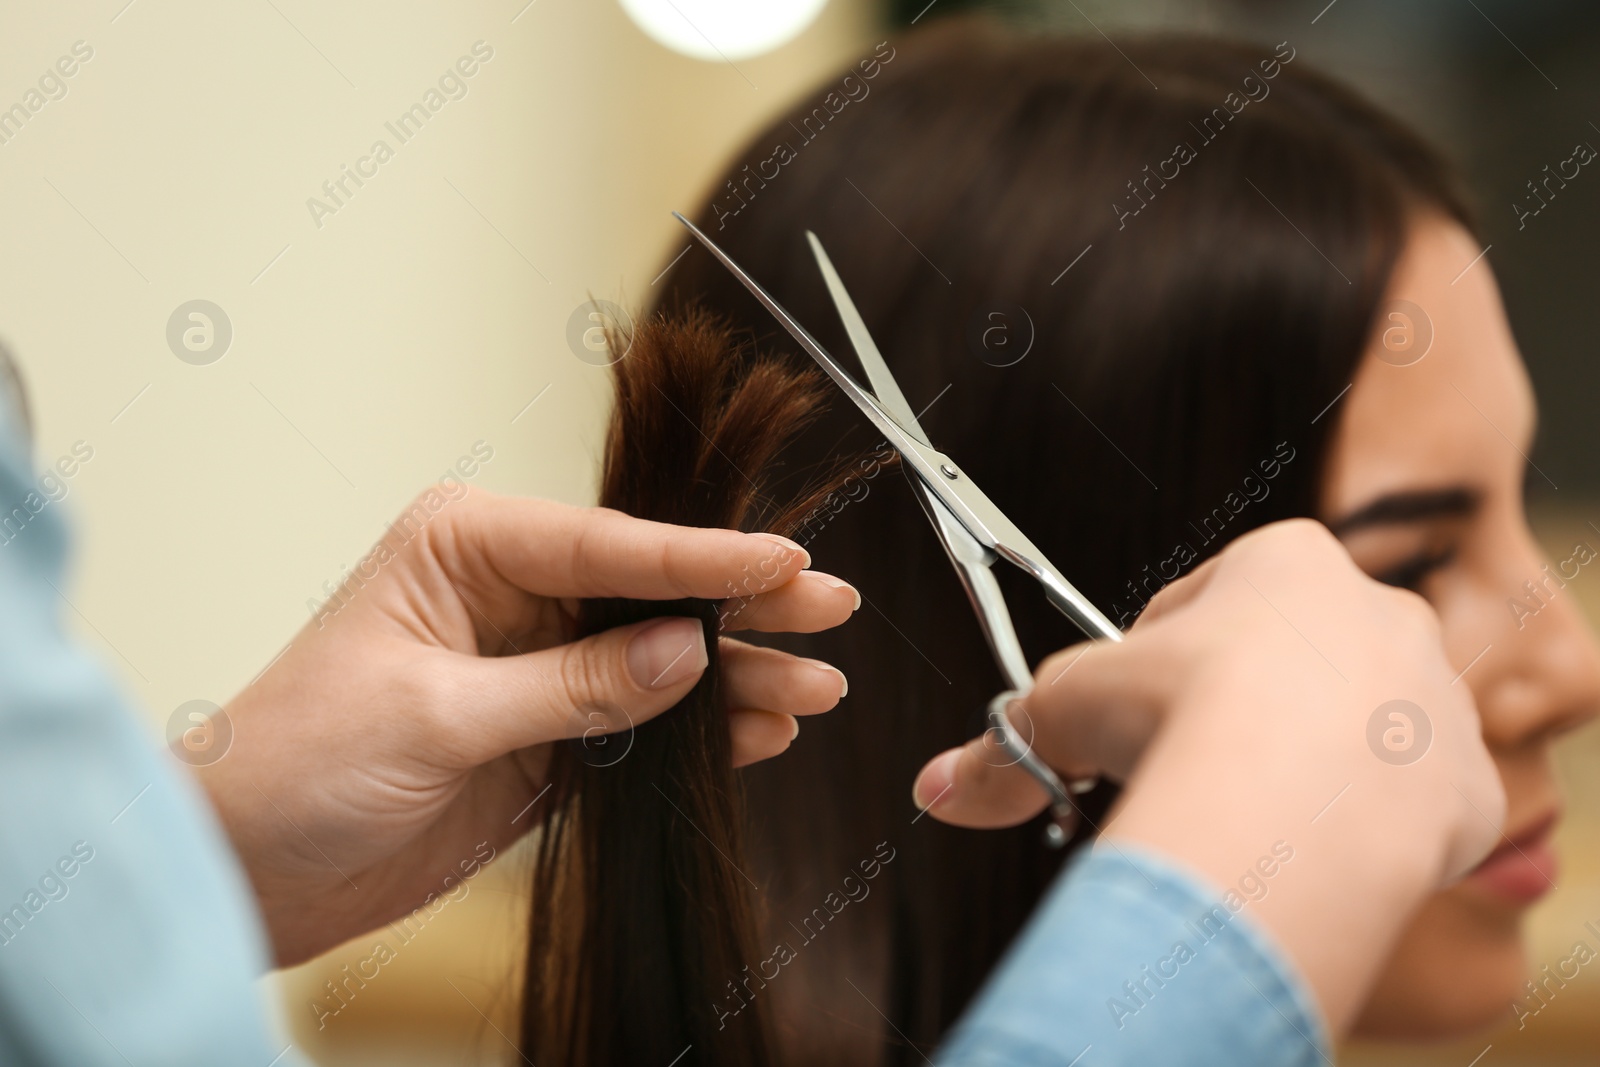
{"x": 948, "y": 471}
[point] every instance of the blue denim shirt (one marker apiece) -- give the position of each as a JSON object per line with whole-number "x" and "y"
{"x": 1130, "y": 960}
{"x": 128, "y": 933}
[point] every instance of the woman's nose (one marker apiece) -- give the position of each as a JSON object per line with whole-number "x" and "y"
{"x": 1545, "y": 677}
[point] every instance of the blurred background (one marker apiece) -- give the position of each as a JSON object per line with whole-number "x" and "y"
{"x": 352, "y": 343}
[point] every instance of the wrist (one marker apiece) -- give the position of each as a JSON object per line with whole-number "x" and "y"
{"x": 1312, "y": 852}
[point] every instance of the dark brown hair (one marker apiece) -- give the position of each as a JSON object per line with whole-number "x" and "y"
{"x": 642, "y": 908}
{"x": 1183, "y": 334}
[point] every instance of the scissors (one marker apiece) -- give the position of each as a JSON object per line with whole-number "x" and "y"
{"x": 975, "y": 533}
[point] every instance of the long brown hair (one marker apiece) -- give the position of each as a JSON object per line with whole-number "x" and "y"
{"x": 1185, "y": 336}
{"x": 643, "y": 910}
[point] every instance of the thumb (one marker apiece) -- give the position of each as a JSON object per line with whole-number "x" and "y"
{"x": 977, "y": 786}
{"x": 602, "y": 684}
{"x": 1095, "y": 708}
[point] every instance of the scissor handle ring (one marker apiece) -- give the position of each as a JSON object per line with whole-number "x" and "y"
{"x": 1065, "y": 816}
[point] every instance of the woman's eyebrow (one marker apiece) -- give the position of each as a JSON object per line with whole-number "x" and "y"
{"x": 1411, "y": 506}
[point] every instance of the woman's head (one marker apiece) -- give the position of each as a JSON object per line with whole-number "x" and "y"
{"x": 1424, "y": 484}
{"x": 1132, "y": 314}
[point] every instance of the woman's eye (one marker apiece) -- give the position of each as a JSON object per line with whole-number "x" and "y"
{"x": 1414, "y": 571}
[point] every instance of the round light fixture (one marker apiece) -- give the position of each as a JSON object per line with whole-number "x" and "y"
{"x": 723, "y": 29}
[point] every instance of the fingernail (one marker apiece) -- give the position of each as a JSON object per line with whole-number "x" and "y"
{"x": 788, "y": 546}
{"x": 936, "y": 780}
{"x": 836, "y": 583}
{"x": 844, "y": 683}
{"x": 666, "y": 651}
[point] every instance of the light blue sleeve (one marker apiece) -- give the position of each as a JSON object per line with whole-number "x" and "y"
{"x": 1130, "y": 960}
{"x": 128, "y": 934}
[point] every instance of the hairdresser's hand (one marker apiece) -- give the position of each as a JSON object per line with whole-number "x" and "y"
{"x": 411, "y": 720}
{"x": 1242, "y": 711}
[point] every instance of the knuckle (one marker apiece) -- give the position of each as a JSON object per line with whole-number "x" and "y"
{"x": 604, "y": 519}
{"x": 593, "y": 531}
{"x": 436, "y": 516}
{"x": 1411, "y": 611}
{"x": 1289, "y": 545}
{"x": 581, "y": 545}
{"x": 1164, "y": 597}
{"x": 1296, "y": 531}
{"x": 1309, "y": 537}
{"x": 583, "y": 673}
{"x": 670, "y": 563}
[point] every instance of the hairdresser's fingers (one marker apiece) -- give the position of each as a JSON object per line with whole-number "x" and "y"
{"x": 556, "y": 550}
{"x": 977, "y": 786}
{"x": 811, "y": 601}
{"x": 1176, "y": 594}
{"x": 759, "y": 735}
{"x": 603, "y": 684}
{"x": 757, "y": 677}
{"x": 1094, "y": 709}
{"x": 1096, "y": 706}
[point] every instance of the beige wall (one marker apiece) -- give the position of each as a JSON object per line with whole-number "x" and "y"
{"x": 419, "y": 318}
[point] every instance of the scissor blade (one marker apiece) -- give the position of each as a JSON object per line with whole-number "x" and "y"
{"x": 902, "y": 440}
{"x": 976, "y": 513}
{"x": 878, "y": 375}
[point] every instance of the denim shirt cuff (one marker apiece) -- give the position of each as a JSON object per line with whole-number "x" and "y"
{"x": 1132, "y": 960}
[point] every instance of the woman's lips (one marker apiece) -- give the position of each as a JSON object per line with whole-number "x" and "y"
{"x": 1522, "y": 869}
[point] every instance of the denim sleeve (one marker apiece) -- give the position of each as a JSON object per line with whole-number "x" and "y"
{"x": 128, "y": 934}
{"x": 1130, "y": 960}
